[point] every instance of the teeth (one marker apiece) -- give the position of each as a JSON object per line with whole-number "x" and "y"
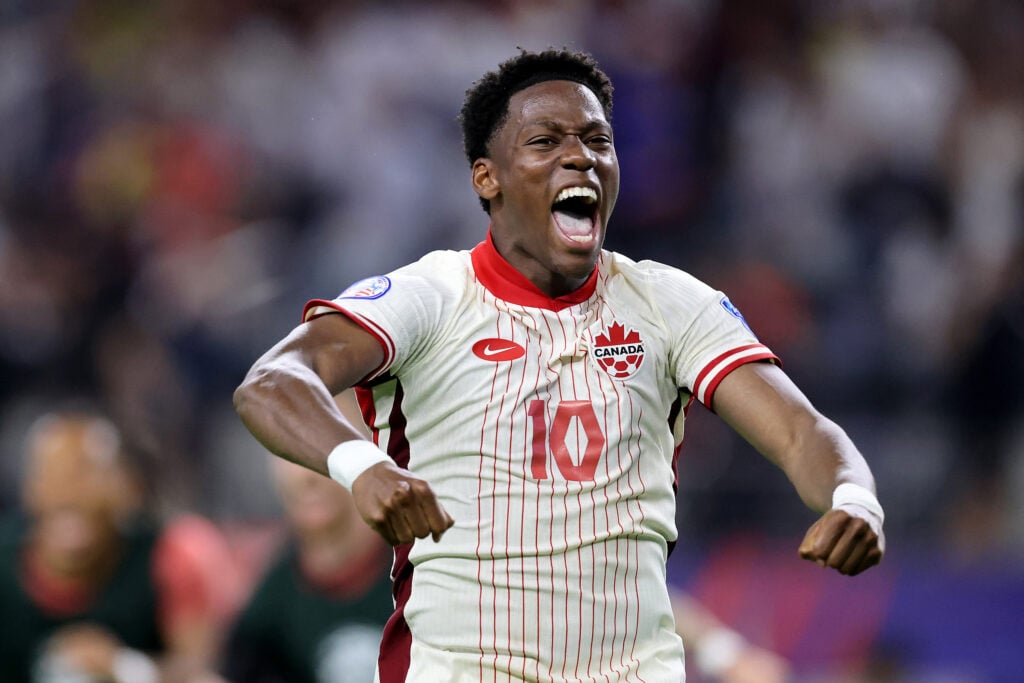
{"x": 579, "y": 238}
{"x": 585, "y": 192}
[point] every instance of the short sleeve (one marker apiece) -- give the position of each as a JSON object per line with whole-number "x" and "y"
{"x": 710, "y": 337}
{"x": 402, "y": 310}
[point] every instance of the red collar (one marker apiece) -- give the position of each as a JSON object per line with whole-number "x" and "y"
{"x": 505, "y": 282}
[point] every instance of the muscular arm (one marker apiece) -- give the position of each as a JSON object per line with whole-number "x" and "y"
{"x": 763, "y": 405}
{"x": 287, "y": 401}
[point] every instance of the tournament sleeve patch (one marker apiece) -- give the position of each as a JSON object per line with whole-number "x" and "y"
{"x": 369, "y": 288}
{"x": 734, "y": 312}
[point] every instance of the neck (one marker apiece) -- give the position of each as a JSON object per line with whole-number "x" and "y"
{"x": 552, "y": 283}
{"x": 507, "y": 281}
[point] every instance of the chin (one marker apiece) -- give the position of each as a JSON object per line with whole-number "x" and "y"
{"x": 583, "y": 253}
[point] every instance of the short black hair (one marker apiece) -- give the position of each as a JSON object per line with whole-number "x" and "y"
{"x": 485, "y": 108}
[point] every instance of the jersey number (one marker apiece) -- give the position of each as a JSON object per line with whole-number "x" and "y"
{"x": 556, "y": 441}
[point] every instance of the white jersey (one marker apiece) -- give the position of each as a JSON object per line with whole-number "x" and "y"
{"x": 548, "y": 430}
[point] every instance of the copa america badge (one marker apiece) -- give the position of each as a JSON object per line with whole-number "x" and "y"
{"x": 734, "y": 312}
{"x": 370, "y": 288}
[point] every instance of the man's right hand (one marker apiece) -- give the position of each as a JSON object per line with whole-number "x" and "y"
{"x": 398, "y": 505}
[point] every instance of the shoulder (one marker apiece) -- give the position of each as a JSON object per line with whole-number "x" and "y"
{"x": 657, "y": 281}
{"x": 421, "y": 286}
{"x": 449, "y": 257}
{"x": 436, "y": 267}
{"x": 436, "y": 274}
{"x": 618, "y": 265}
{"x": 441, "y": 267}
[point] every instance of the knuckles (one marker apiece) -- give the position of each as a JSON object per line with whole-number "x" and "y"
{"x": 378, "y": 520}
{"x": 420, "y": 488}
{"x": 406, "y": 492}
{"x": 391, "y": 508}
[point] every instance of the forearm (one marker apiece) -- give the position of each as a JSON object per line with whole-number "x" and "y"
{"x": 775, "y": 417}
{"x": 826, "y": 469}
{"x": 819, "y": 458}
{"x": 289, "y": 409}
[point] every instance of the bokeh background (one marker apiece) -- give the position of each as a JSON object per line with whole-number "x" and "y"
{"x": 177, "y": 178}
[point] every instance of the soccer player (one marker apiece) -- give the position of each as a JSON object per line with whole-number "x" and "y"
{"x": 89, "y": 590}
{"x": 526, "y": 400}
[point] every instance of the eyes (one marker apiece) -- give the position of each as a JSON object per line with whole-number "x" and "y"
{"x": 596, "y": 141}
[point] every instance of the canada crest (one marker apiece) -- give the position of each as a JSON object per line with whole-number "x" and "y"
{"x": 619, "y": 351}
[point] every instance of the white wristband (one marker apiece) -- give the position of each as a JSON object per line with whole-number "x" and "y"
{"x": 854, "y": 494}
{"x": 717, "y": 651}
{"x": 349, "y": 459}
{"x": 132, "y": 666}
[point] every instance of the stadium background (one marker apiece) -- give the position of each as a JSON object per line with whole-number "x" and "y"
{"x": 177, "y": 177}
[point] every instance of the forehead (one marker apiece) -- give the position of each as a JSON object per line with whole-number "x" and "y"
{"x": 564, "y": 102}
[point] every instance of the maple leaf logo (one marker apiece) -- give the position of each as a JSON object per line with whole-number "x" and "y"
{"x": 618, "y": 352}
{"x": 616, "y": 334}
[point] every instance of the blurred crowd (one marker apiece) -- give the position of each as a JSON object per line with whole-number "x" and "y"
{"x": 178, "y": 177}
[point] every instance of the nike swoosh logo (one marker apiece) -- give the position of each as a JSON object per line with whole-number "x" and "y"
{"x": 496, "y": 349}
{"x": 488, "y": 351}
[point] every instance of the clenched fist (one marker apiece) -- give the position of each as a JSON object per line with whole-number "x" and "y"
{"x": 398, "y": 505}
{"x": 848, "y": 539}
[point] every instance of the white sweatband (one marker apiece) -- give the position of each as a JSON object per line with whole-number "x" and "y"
{"x": 349, "y": 459}
{"x": 132, "y": 666}
{"x": 716, "y": 652}
{"x": 854, "y": 494}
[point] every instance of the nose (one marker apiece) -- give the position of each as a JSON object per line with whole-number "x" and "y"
{"x": 576, "y": 154}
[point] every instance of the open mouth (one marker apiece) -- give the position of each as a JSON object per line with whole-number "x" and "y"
{"x": 575, "y": 213}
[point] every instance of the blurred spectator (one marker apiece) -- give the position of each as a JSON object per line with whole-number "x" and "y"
{"x": 93, "y": 591}
{"x": 318, "y": 612}
{"x": 717, "y": 653}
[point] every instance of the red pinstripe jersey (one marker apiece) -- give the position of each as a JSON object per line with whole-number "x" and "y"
{"x": 548, "y": 429}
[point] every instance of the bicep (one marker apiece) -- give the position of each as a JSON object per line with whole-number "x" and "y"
{"x": 338, "y": 350}
{"x": 765, "y": 407}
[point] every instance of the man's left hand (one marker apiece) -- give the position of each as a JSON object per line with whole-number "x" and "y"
{"x": 847, "y": 539}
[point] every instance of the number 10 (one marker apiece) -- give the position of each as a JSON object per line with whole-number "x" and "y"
{"x": 566, "y": 410}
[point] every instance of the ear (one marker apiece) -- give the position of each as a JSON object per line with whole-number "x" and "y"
{"x": 485, "y": 181}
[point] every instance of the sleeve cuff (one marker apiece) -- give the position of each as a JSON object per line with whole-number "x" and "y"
{"x": 715, "y": 371}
